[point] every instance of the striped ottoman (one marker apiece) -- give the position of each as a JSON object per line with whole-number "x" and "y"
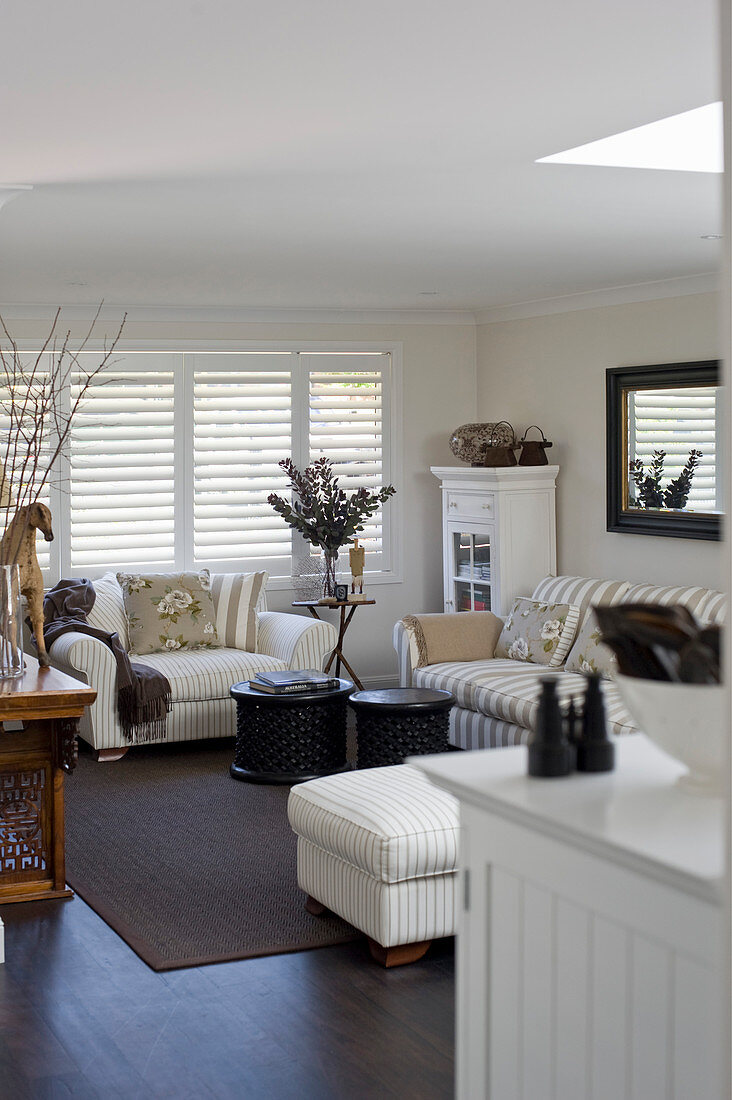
{"x": 379, "y": 847}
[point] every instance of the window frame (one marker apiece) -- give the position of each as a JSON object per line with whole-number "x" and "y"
{"x": 391, "y": 573}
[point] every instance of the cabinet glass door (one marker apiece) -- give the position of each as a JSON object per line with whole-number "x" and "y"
{"x": 471, "y": 571}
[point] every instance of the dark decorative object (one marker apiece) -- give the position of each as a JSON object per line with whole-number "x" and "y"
{"x": 655, "y": 510}
{"x": 550, "y": 753}
{"x": 469, "y": 442}
{"x": 341, "y": 592}
{"x": 497, "y": 453}
{"x": 323, "y": 513}
{"x": 288, "y": 738}
{"x": 595, "y": 751}
{"x": 661, "y": 643}
{"x": 533, "y": 451}
{"x": 651, "y": 493}
{"x": 397, "y": 722}
{"x": 68, "y": 729}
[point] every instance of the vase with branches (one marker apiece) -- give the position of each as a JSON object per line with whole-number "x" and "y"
{"x": 650, "y": 492}
{"x": 41, "y": 395}
{"x": 324, "y": 514}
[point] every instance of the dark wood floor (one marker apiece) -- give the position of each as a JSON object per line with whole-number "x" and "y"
{"x": 82, "y": 1016}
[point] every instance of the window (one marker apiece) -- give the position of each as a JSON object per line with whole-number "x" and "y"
{"x": 678, "y": 421}
{"x": 173, "y": 456}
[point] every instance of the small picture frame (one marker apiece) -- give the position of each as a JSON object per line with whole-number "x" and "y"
{"x": 341, "y": 592}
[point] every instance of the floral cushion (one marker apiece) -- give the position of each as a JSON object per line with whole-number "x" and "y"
{"x": 538, "y": 632}
{"x": 169, "y": 611}
{"x": 589, "y": 654}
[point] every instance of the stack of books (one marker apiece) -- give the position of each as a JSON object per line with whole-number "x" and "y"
{"x": 294, "y": 681}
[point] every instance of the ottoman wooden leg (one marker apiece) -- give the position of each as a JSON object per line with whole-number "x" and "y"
{"x": 399, "y": 955}
{"x": 108, "y": 756}
{"x": 315, "y": 907}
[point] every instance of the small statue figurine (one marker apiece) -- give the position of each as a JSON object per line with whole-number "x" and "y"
{"x": 356, "y": 557}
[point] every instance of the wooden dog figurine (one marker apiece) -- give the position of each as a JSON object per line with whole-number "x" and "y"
{"x": 18, "y": 544}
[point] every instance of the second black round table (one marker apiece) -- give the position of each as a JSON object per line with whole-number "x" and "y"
{"x": 396, "y": 722}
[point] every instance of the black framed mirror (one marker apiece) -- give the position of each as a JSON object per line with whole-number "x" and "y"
{"x": 663, "y": 453}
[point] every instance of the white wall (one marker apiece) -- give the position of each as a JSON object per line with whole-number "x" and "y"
{"x": 438, "y": 394}
{"x": 551, "y": 371}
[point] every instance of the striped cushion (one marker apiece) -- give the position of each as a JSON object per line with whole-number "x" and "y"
{"x": 581, "y": 591}
{"x": 235, "y": 597}
{"x": 390, "y": 822}
{"x": 714, "y": 610}
{"x": 693, "y": 598}
{"x": 509, "y": 691}
{"x": 208, "y": 674}
{"x": 108, "y": 612}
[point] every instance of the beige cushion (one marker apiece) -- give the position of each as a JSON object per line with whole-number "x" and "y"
{"x": 169, "y": 611}
{"x": 469, "y": 636}
{"x": 235, "y": 597}
{"x": 538, "y": 632}
{"x": 108, "y": 612}
{"x": 589, "y": 653}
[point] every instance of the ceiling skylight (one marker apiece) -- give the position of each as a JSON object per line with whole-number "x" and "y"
{"x": 689, "y": 142}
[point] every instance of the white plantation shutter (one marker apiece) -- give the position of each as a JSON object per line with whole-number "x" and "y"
{"x": 122, "y": 469}
{"x": 346, "y": 405}
{"x": 677, "y": 421}
{"x": 242, "y": 428}
{"x": 172, "y": 457}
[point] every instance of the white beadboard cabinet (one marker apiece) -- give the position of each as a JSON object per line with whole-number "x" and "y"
{"x": 590, "y": 942}
{"x": 499, "y": 533}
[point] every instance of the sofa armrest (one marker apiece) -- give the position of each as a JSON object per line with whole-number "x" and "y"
{"x": 298, "y": 641}
{"x": 406, "y": 651}
{"x": 92, "y": 661}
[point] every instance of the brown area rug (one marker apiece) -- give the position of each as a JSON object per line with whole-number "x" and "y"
{"x": 187, "y": 865}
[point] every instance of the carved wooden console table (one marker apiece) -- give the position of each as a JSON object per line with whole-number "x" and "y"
{"x": 33, "y": 760}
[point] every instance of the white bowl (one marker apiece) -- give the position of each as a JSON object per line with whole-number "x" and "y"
{"x": 689, "y": 722}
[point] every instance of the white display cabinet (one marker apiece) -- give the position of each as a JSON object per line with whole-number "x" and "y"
{"x": 499, "y": 533}
{"x": 590, "y": 941}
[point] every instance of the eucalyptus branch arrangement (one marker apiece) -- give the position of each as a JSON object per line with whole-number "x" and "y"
{"x": 323, "y": 513}
{"x": 37, "y": 411}
{"x": 650, "y": 492}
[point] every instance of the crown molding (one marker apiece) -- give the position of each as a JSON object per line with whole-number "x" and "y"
{"x": 596, "y": 299}
{"x": 29, "y": 311}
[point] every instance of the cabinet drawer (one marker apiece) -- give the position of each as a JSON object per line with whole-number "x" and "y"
{"x": 477, "y": 505}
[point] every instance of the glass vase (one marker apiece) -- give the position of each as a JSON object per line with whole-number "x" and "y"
{"x": 330, "y": 558}
{"x": 11, "y": 642}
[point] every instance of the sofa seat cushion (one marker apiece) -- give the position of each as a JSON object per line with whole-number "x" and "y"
{"x": 390, "y": 822}
{"x": 201, "y": 674}
{"x": 509, "y": 690}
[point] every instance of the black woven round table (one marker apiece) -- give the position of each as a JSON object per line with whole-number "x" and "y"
{"x": 289, "y": 738}
{"x": 398, "y": 722}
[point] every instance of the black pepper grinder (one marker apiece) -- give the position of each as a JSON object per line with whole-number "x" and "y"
{"x": 550, "y": 753}
{"x": 595, "y": 751}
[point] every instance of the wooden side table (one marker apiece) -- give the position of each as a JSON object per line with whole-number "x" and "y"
{"x": 345, "y": 622}
{"x": 33, "y": 762}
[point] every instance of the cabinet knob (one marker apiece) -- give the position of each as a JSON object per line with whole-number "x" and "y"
{"x": 452, "y": 504}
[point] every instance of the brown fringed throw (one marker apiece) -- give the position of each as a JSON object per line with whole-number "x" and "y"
{"x": 143, "y": 693}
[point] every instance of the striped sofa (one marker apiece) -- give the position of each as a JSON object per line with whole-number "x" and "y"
{"x": 199, "y": 679}
{"x": 497, "y": 700}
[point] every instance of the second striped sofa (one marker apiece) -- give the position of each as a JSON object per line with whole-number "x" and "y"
{"x": 497, "y": 699}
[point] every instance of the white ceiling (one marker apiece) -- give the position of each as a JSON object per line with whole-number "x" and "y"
{"x": 324, "y": 154}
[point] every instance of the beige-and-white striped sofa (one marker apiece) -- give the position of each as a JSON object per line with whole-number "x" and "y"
{"x": 497, "y": 699}
{"x": 199, "y": 679}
